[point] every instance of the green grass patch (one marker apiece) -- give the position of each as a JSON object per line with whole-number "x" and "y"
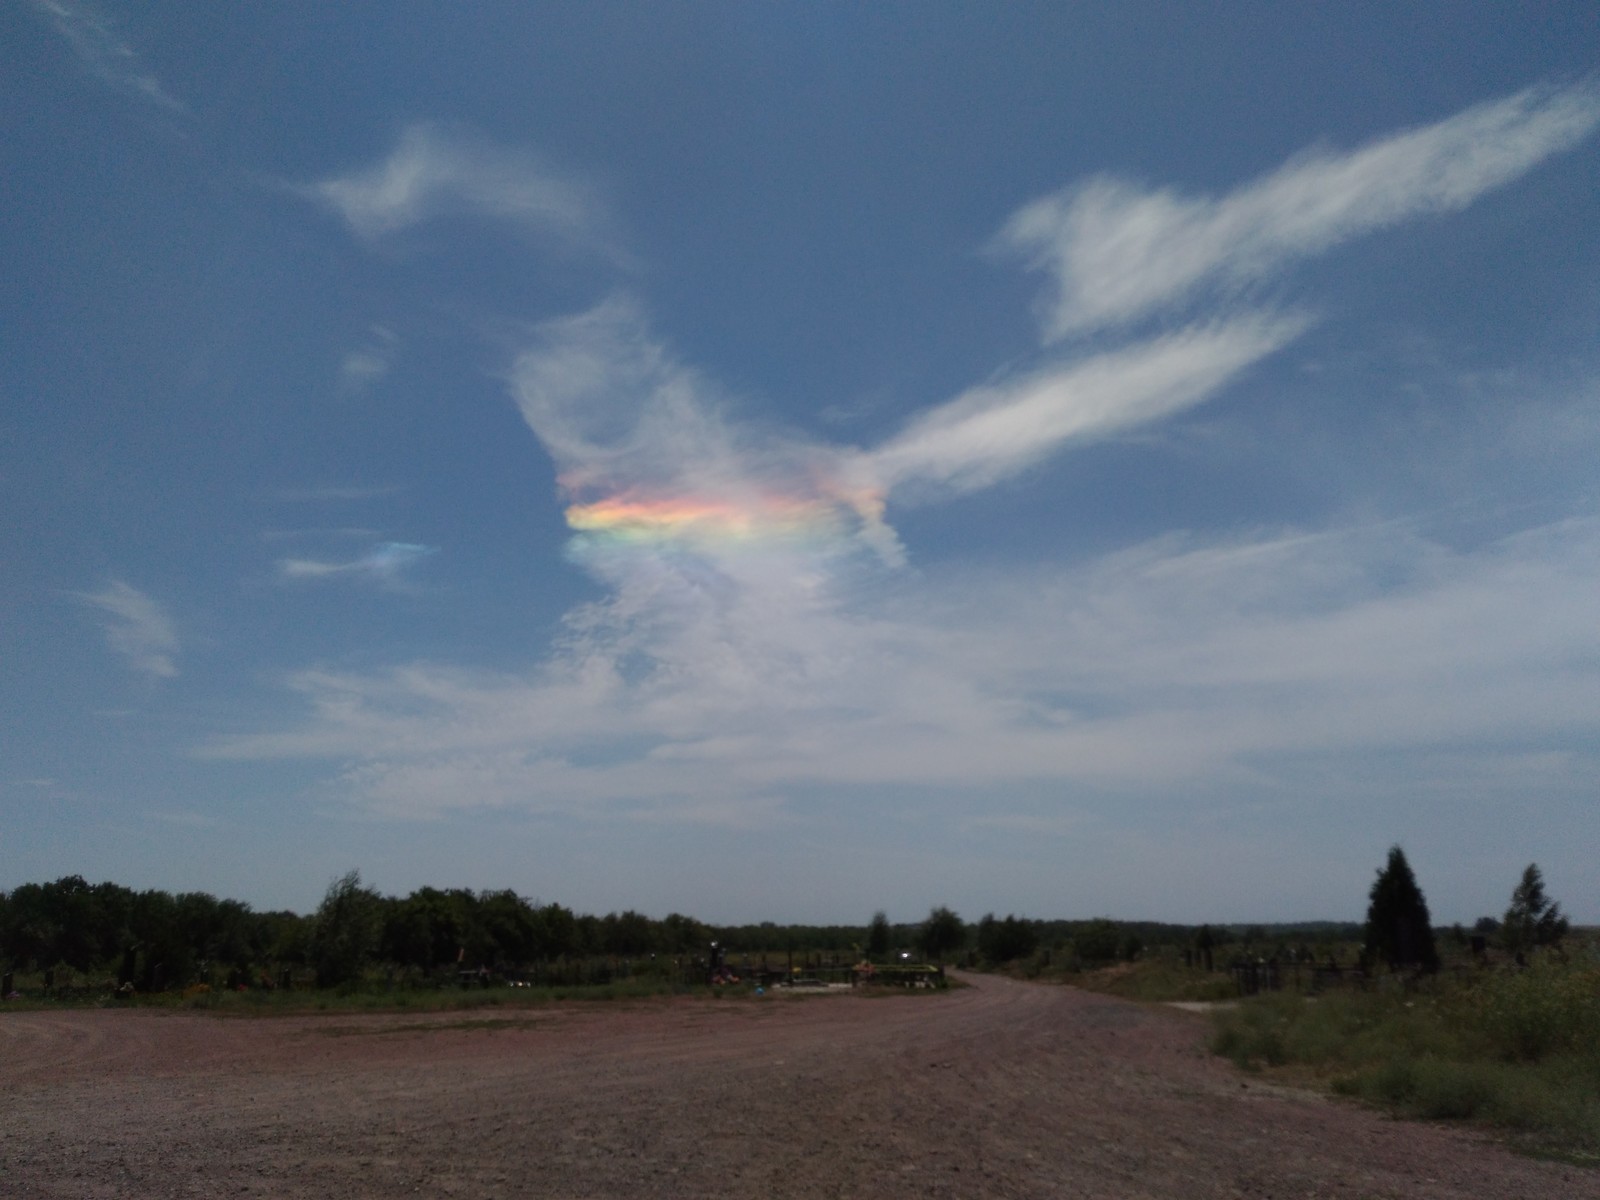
{"x": 1158, "y": 981}
{"x": 1516, "y": 1050}
{"x": 1153, "y": 980}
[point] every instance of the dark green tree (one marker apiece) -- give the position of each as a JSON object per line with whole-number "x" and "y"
{"x": 682, "y": 935}
{"x": 511, "y": 925}
{"x": 345, "y": 935}
{"x": 1006, "y": 941}
{"x": 1533, "y": 920}
{"x": 878, "y": 935}
{"x": 561, "y": 935}
{"x": 941, "y": 934}
{"x": 627, "y": 934}
{"x": 1097, "y": 941}
{"x": 424, "y": 931}
{"x": 1399, "y": 931}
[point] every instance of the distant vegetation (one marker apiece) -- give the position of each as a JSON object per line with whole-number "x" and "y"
{"x": 100, "y": 936}
{"x": 92, "y": 938}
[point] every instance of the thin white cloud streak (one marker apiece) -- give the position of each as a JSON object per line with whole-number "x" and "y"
{"x": 993, "y": 432}
{"x": 137, "y": 628}
{"x": 1118, "y": 251}
{"x": 103, "y": 52}
{"x": 437, "y": 172}
{"x": 384, "y": 562}
{"x": 363, "y": 367}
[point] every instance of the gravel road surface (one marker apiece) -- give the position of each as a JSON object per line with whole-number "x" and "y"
{"x": 997, "y": 1089}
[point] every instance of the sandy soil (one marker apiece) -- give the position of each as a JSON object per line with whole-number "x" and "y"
{"x": 999, "y": 1089}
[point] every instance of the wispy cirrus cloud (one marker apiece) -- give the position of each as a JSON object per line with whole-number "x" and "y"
{"x": 1213, "y": 663}
{"x": 1118, "y": 251}
{"x": 136, "y": 627}
{"x": 370, "y": 362}
{"x": 623, "y": 419}
{"x": 992, "y": 432}
{"x": 103, "y": 51}
{"x": 747, "y": 649}
{"x": 649, "y": 453}
{"x": 436, "y": 171}
{"x": 385, "y": 562}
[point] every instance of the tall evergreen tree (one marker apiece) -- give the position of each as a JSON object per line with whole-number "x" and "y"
{"x": 1399, "y": 931}
{"x": 1532, "y": 920}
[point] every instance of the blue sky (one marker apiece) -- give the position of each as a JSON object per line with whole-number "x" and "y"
{"x": 785, "y": 461}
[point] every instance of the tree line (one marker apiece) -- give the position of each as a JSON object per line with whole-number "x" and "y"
{"x": 1398, "y": 932}
{"x": 153, "y": 939}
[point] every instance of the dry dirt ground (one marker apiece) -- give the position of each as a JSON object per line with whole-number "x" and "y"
{"x": 997, "y": 1089}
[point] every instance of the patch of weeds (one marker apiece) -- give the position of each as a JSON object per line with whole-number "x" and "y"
{"x": 1519, "y": 1050}
{"x": 1157, "y": 981}
{"x": 1256, "y": 1035}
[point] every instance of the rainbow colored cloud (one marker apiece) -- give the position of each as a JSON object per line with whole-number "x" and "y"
{"x": 751, "y": 519}
{"x": 635, "y": 518}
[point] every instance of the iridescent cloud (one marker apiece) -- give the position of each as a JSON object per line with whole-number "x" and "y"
{"x": 384, "y": 561}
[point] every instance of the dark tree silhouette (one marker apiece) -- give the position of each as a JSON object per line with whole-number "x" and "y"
{"x": 345, "y": 934}
{"x": 1532, "y": 920}
{"x": 1399, "y": 931}
{"x": 941, "y": 934}
{"x": 1006, "y": 941}
{"x": 878, "y": 937}
{"x": 1205, "y": 942}
{"x": 1097, "y": 941}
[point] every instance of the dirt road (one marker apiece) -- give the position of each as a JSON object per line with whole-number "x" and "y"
{"x": 999, "y": 1089}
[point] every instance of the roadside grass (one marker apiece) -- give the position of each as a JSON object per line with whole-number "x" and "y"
{"x": 1515, "y": 1050}
{"x": 1156, "y": 981}
{"x": 1518, "y": 1050}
